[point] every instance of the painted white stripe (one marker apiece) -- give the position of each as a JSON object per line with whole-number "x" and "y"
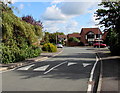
{"x": 91, "y": 76}
{"x": 43, "y": 68}
{"x": 92, "y": 71}
{"x": 55, "y": 67}
{"x": 86, "y": 64}
{"x": 26, "y": 67}
{"x": 70, "y": 63}
{"x": 89, "y": 88}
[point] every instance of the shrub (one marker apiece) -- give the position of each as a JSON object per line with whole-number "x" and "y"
{"x": 73, "y": 39}
{"x": 49, "y": 47}
{"x": 12, "y": 54}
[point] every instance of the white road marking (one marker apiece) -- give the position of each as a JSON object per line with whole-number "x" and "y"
{"x": 55, "y": 67}
{"x": 86, "y": 64}
{"x": 26, "y": 67}
{"x": 91, "y": 76}
{"x": 92, "y": 71}
{"x": 70, "y": 63}
{"x": 89, "y": 88}
{"x": 43, "y": 68}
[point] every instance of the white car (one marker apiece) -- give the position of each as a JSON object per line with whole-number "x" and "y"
{"x": 59, "y": 46}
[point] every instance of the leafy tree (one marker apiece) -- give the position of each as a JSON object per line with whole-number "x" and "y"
{"x": 37, "y": 25}
{"x": 110, "y": 18}
{"x": 51, "y": 37}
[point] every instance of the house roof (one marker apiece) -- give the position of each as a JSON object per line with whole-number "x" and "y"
{"x": 62, "y": 36}
{"x": 104, "y": 35}
{"x": 94, "y": 30}
{"x": 74, "y": 35}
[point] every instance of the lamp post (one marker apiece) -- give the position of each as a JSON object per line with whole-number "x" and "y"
{"x": 56, "y": 36}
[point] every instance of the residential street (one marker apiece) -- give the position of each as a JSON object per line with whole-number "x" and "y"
{"x": 68, "y": 71}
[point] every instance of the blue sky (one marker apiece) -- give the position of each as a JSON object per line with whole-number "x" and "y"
{"x": 67, "y": 17}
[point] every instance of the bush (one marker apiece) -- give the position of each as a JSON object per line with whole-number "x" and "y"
{"x": 73, "y": 39}
{"x": 49, "y": 47}
{"x": 12, "y": 54}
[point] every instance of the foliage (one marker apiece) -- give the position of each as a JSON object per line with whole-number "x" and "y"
{"x": 18, "y": 37}
{"x": 110, "y": 18}
{"x": 51, "y": 37}
{"x": 30, "y": 19}
{"x": 49, "y": 47}
{"x": 73, "y": 39}
{"x": 15, "y": 54}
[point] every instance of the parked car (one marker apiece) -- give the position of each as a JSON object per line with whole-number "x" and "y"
{"x": 101, "y": 45}
{"x": 59, "y": 46}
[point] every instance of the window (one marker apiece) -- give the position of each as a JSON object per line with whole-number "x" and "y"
{"x": 97, "y": 35}
{"x": 90, "y": 35}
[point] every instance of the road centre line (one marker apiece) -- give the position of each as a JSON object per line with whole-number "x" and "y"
{"x": 91, "y": 75}
{"x": 55, "y": 67}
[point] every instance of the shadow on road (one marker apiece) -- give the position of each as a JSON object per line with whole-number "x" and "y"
{"x": 76, "y": 71}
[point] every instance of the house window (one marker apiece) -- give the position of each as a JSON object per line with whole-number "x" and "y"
{"x": 90, "y": 35}
{"x": 97, "y": 35}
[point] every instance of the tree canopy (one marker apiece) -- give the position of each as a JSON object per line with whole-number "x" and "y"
{"x": 110, "y": 18}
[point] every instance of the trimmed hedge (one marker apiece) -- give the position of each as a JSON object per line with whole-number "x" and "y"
{"x": 49, "y": 47}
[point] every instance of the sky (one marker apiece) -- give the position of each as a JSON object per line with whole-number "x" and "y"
{"x": 59, "y": 16}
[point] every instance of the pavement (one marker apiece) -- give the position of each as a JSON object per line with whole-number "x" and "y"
{"x": 42, "y": 57}
{"x": 110, "y": 72}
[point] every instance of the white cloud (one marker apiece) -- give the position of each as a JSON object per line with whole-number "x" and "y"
{"x": 57, "y": 1}
{"x": 21, "y": 6}
{"x": 76, "y": 8}
{"x": 61, "y": 18}
{"x": 72, "y": 26}
{"x": 53, "y": 13}
{"x": 68, "y": 26}
{"x": 6, "y": 1}
{"x": 67, "y": 10}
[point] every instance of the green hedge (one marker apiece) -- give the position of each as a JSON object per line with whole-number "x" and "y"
{"x": 49, "y": 47}
{"x": 15, "y": 54}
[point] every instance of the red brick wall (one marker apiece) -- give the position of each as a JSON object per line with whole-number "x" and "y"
{"x": 73, "y": 44}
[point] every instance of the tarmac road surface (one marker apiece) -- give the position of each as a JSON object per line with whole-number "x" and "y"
{"x": 68, "y": 71}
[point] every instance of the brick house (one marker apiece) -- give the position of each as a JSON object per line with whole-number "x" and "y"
{"x": 76, "y": 35}
{"x": 104, "y": 35}
{"x": 89, "y": 35}
{"x": 62, "y": 39}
